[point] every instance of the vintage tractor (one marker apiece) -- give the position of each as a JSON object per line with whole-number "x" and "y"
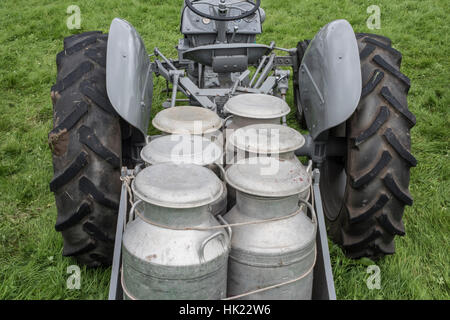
{"x": 348, "y": 92}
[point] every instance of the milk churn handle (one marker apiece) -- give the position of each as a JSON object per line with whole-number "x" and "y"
{"x": 133, "y": 209}
{"x": 310, "y": 207}
{"x": 201, "y": 251}
{"x": 309, "y": 167}
{"x": 227, "y": 226}
{"x": 222, "y": 171}
{"x": 224, "y": 125}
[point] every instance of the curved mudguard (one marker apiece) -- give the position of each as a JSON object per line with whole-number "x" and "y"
{"x": 129, "y": 79}
{"x": 330, "y": 77}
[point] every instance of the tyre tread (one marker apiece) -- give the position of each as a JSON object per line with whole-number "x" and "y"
{"x": 377, "y": 191}
{"x": 86, "y": 163}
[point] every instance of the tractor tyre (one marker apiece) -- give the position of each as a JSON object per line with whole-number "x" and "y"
{"x": 86, "y": 144}
{"x": 365, "y": 192}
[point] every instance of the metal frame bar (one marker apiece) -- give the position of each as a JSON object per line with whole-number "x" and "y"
{"x": 115, "y": 287}
{"x": 323, "y": 282}
{"x": 264, "y": 83}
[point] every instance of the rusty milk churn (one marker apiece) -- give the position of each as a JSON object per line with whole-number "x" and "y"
{"x": 161, "y": 258}
{"x": 271, "y": 259}
{"x": 193, "y": 149}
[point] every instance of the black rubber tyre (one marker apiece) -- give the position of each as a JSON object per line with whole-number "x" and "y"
{"x": 86, "y": 144}
{"x": 365, "y": 193}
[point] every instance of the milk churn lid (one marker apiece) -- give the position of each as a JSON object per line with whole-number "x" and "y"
{"x": 177, "y": 185}
{"x": 187, "y": 120}
{"x": 268, "y": 177}
{"x": 267, "y": 139}
{"x": 181, "y": 149}
{"x": 257, "y": 106}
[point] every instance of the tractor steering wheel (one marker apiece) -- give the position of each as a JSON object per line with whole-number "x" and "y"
{"x": 223, "y": 18}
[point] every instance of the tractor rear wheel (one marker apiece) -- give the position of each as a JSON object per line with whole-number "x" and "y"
{"x": 364, "y": 193}
{"x": 86, "y": 144}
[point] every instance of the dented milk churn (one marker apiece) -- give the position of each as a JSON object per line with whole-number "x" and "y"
{"x": 268, "y": 139}
{"x": 164, "y": 254}
{"x": 273, "y": 249}
{"x": 193, "y": 149}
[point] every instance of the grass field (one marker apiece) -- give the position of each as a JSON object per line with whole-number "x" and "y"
{"x": 31, "y": 265}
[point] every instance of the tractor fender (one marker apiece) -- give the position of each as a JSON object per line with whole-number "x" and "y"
{"x": 129, "y": 79}
{"x": 330, "y": 77}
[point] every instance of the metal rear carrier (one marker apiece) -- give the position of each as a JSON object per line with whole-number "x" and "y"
{"x": 323, "y": 284}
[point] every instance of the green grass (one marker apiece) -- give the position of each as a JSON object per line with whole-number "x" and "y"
{"x": 31, "y": 266}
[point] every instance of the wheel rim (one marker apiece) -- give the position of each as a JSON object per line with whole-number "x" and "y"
{"x": 333, "y": 180}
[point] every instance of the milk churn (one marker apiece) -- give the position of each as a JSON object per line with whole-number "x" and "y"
{"x": 247, "y": 109}
{"x": 190, "y": 120}
{"x": 268, "y": 139}
{"x": 255, "y": 108}
{"x": 273, "y": 259}
{"x": 188, "y": 149}
{"x": 161, "y": 259}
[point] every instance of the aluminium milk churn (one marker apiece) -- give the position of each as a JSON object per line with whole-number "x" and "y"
{"x": 161, "y": 259}
{"x": 255, "y": 108}
{"x": 264, "y": 139}
{"x": 193, "y": 149}
{"x": 275, "y": 259}
{"x": 190, "y": 120}
{"x": 247, "y": 109}
{"x": 268, "y": 139}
